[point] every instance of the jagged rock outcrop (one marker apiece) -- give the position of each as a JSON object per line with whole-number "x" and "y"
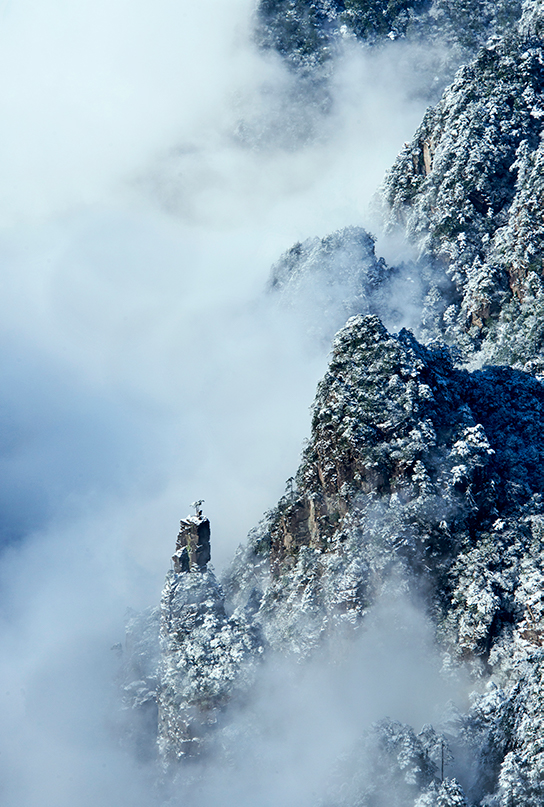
{"x": 418, "y": 475}
{"x": 193, "y": 544}
{"x": 420, "y": 472}
{"x": 417, "y": 468}
{"x": 187, "y": 660}
{"x": 327, "y": 280}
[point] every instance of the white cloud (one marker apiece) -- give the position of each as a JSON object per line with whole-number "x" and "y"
{"x": 144, "y": 367}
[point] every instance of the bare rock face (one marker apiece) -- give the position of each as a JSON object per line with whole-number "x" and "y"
{"x": 193, "y": 544}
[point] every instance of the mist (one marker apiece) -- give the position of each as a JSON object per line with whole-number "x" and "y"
{"x": 145, "y": 193}
{"x": 296, "y": 736}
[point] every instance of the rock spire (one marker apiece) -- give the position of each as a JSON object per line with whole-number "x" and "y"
{"x": 193, "y": 542}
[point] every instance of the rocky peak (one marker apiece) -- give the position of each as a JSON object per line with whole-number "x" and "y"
{"x": 193, "y": 543}
{"x": 420, "y": 477}
{"x": 414, "y": 468}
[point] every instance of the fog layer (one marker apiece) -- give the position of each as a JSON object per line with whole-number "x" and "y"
{"x": 144, "y": 195}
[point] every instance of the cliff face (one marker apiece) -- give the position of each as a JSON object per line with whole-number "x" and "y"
{"x": 423, "y": 474}
{"x": 415, "y": 470}
{"x": 468, "y": 193}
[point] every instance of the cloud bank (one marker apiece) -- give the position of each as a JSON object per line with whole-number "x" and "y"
{"x": 145, "y": 192}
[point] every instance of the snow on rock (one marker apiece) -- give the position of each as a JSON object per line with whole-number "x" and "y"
{"x": 468, "y": 192}
{"x": 411, "y": 466}
{"x": 327, "y": 280}
{"x": 206, "y": 658}
{"x": 418, "y": 476}
{"x": 307, "y": 35}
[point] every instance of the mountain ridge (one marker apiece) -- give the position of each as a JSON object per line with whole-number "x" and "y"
{"x": 422, "y": 477}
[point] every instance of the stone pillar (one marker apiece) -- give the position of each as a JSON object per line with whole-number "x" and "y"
{"x": 192, "y": 545}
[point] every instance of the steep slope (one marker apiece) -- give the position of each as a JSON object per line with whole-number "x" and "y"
{"x": 422, "y": 478}
{"x": 307, "y": 34}
{"x": 418, "y": 477}
{"x": 468, "y": 192}
{"x": 415, "y": 471}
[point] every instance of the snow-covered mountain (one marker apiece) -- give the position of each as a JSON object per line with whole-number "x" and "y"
{"x": 308, "y": 34}
{"x": 419, "y": 497}
{"x": 467, "y": 191}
